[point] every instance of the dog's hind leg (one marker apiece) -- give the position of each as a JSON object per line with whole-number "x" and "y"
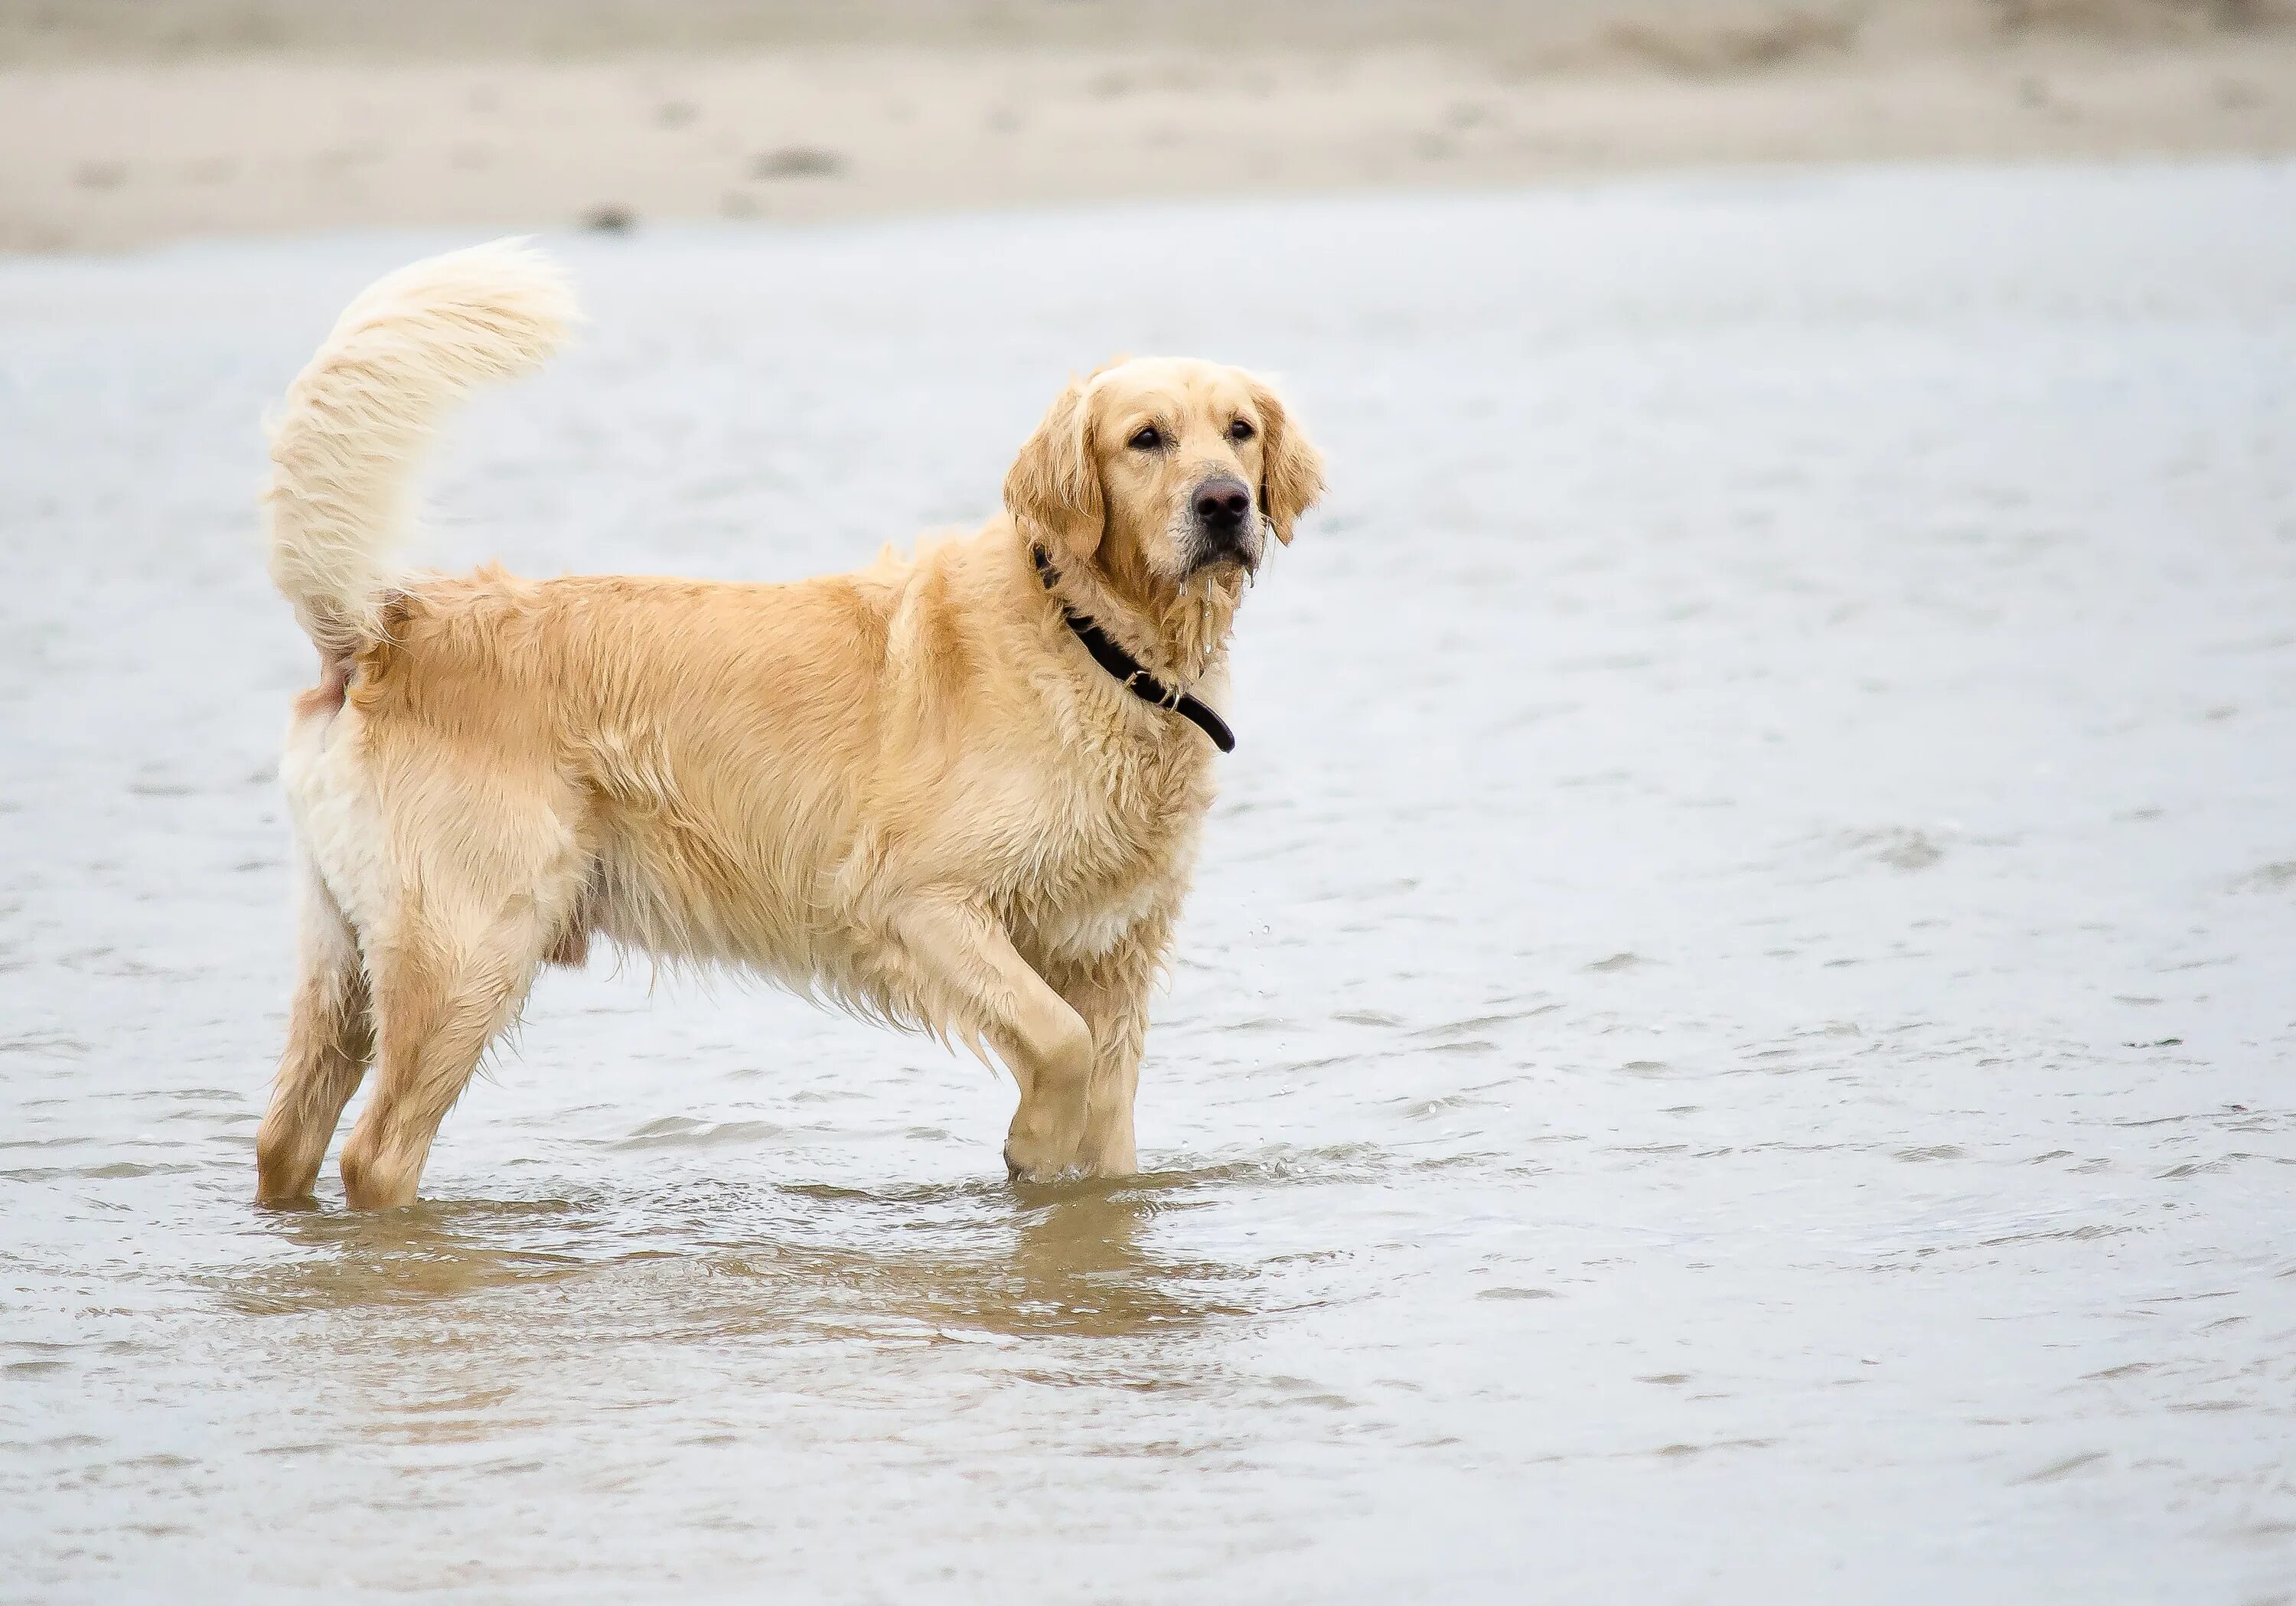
{"x": 444, "y": 988}
{"x": 330, "y": 1038}
{"x": 976, "y": 982}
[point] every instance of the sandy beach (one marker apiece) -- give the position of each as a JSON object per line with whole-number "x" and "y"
{"x": 124, "y": 125}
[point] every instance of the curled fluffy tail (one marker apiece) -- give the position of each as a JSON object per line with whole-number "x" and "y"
{"x": 345, "y": 449}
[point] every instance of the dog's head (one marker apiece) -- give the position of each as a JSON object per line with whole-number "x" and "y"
{"x": 1156, "y": 470}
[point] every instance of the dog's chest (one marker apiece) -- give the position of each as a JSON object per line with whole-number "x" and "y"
{"x": 1114, "y": 855}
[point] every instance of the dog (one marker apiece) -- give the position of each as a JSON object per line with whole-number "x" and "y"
{"x": 959, "y": 792}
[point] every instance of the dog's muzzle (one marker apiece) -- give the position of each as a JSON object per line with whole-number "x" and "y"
{"x": 1226, "y": 523}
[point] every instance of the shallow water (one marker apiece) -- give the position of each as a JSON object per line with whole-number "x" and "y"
{"x": 1732, "y": 1042}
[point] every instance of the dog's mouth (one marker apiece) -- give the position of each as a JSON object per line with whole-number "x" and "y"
{"x": 1225, "y": 553}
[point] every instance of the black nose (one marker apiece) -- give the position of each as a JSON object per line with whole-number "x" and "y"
{"x": 1222, "y": 503}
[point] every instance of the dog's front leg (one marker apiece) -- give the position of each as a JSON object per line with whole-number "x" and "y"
{"x": 976, "y": 982}
{"x": 1111, "y": 994}
{"x": 1119, "y": 1037}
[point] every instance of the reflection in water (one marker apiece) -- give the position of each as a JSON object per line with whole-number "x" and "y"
{"x": 986, "y": 1258}
{"x": 983, "y": 1259}
{"x": 343, "y": 1260}
{"x": 454, "y": 1324}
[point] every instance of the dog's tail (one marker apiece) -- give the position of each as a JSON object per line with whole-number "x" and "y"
{"x": 345, "y": 448}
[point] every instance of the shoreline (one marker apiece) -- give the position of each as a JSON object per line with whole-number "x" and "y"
{"x": 111, "y": 155}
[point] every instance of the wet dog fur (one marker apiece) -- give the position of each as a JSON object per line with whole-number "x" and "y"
{"x": 906, "y": 790}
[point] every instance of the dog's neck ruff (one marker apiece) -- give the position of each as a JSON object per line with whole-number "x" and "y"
{"x": 1128, "y": 669}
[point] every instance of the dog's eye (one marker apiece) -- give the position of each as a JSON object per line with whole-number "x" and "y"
{"x": 1147, "y": 439}
{"x": 1241, "y": 430}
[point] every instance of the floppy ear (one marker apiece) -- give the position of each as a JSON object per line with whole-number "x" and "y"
{"x": 1053, "y": 489}
{"x": 1290, "y": 469}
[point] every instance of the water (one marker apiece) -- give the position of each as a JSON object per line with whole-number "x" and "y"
{"x": 1732, "y": 1042}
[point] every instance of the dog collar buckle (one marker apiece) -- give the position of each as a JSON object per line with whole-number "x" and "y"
{"x": 1127, "y": 671}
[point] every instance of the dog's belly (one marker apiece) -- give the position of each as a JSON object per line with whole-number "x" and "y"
{"x": 646, "y": 896}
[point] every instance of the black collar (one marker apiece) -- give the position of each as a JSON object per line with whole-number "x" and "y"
{"x": 1127, "y": 671}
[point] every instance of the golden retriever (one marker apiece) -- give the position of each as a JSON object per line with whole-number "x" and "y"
{"x": 931, "y": 791}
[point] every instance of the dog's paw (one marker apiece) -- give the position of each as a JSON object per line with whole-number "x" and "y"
{"x": 1038, "y": 1163}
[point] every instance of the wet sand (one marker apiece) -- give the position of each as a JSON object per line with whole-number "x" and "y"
{"x": 1731, "y": 1045}
{"x": 121, "y": 125}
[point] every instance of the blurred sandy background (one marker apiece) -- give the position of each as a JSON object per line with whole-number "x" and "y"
{"x": 124, "y": 122}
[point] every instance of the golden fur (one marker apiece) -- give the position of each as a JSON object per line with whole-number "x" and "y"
{"x": 907, "y": 790}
